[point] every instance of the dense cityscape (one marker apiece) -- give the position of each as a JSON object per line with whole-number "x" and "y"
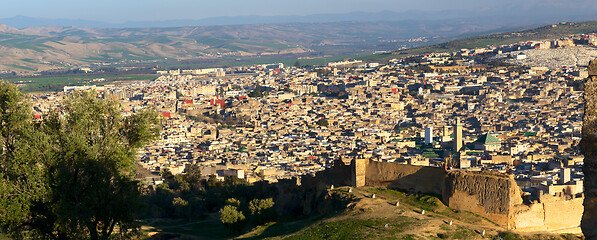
{"x": 486, "y": 138}
{"x": 277, "y": 122}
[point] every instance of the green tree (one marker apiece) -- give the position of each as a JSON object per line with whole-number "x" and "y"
{"x": 257, "y": 206}
{"x": 257, "y": 93}
{"x": 193, "y": 177}
{"x": 181, "y": 207}
{"x": 322, "y": 122}
{"x": 261, "y": 210}
{"x": 233, "y": 202}
{"x": 231, "y": 217}
{"x": 70, "y": 176}
{"x": 23, "y": 158}
{"x": 91, "y": 175}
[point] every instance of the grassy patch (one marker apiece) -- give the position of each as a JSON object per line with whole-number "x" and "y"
{"x": 429, "y": 203}
{"x": 279, "y": 229}
{"x": 38, "y": 47}
{"x": 355, "y": 229}
{"x": 409, "y": 237}
{"x": 459, "y": 233}
{"x": 422, "y": 201}
{"x": 508, "y": 235}
{"x": 29, "y": 60}
{"x": 57, "y": 42}
{"x": 21, "y": 67}
{"x": 41, "y": 84}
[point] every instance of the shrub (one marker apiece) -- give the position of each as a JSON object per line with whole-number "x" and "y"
{"x": 233, "y": 202}
{"x": 261, "y": 210}
{"x": 181, "y": 207}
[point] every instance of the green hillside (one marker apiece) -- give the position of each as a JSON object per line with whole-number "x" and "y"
{"x": 364, "y": 218}
{"x": 44, "y": 84}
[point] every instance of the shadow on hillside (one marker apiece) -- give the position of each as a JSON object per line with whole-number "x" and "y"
{"x": 372, "y": 227}
{"x": 165, "y": 236}
{"x": 287, "y": 228}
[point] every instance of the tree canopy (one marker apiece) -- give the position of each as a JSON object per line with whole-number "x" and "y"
{"x": 75, "y": 177}
{"x": 258, "y": 92}
{"x": 23, "y": 155}
{"x": 322, "y": 122}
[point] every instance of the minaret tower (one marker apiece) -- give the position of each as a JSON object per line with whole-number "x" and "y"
{"x": 457, "y": 135}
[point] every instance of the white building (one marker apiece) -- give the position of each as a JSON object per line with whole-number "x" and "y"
{"x": 428, "y": 135}
{"x": 521, "y": 56}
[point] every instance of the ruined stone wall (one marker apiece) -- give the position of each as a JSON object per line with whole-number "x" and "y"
{"x": 529, "y": 217}
{"x": 489, "y": 194}
{"x": 563, "y": 215}
{"x": 338, "y": 175}
{"x": 305, "y": 195}
{"x": 589, "y": 149}
{"x": 412, "y": 178}
{"x": 493, "y": 195}
{"x": 554, "y": 214}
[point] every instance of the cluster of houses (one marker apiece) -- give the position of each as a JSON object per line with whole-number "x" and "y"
{"x": 270, "y": 122}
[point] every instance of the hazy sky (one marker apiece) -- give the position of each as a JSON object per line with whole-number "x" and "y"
{"x": 142, "y": 10}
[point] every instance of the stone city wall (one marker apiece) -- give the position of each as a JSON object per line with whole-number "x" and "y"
{"x": 493, "y": 195}
{"x": 489, "y": 194}
{"x": 552, "y": 213}
{"x": 420, "y": 179}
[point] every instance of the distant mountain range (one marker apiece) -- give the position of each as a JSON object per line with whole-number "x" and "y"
{"x": 516, "y": 16}
{"x": 30, "y": 45}
{"x": 25, "y": 22}
{"x": 49, "y": 47}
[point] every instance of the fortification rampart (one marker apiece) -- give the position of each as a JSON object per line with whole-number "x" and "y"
{"x": 489, "y": 194}
{"x": 339, "y": 175}
{"x": 493, "y": 195}
{"x": 410, "y": 178}
{"x": 551, "y": 213}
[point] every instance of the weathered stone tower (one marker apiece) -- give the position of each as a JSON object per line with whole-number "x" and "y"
{"x": 359, "y": 171}
{"x": 589, "y": 149}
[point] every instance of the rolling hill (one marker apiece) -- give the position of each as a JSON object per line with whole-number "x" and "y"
{"x": 554, "y": 31}
{"x": 35, "y": 49}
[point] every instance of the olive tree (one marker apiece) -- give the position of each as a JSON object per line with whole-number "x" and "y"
{"x": 70, "y": 176}
{"x": 23, "y": 158}
{"x": 92, "y": 173}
